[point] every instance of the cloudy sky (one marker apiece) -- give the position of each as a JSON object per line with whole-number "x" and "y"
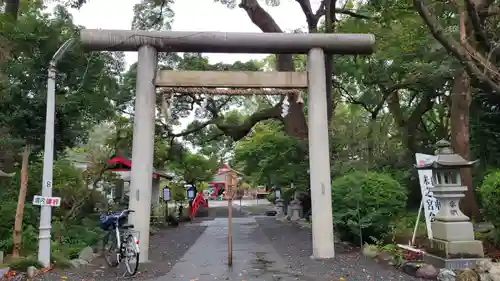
{"x": 190, "y": 15}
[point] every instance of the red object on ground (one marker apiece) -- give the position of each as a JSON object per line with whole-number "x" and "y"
{"x": 199, "y": 201}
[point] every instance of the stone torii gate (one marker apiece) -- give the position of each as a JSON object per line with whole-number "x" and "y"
{"x": 149, "y": 43}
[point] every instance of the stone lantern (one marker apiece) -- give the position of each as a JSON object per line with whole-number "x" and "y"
{"x": 280, "y": 203}
{"x": 453, "y": 242}
{"x": 295, "y": 206}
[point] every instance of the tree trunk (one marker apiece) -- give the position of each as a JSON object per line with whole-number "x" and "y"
{"x": 370, "y": 142}
{"x": 408, "y": 127}
{"x": 460, "y": 103}
{"x": 295, "y": 121}
{"x": 18, "y": 223}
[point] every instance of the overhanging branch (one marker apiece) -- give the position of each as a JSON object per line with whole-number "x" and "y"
{"x": 311, "y": 18}
{"x": 238, "y": 132}
{"x": 467, "y": 58}
{"x": 476, "y": 24}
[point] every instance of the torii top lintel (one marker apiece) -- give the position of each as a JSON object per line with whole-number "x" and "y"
{"x": 226, "y": 42}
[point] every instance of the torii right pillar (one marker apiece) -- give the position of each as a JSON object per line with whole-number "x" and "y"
{"x": 319, "y": 157}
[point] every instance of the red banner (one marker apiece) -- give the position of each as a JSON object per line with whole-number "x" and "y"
{"x": 198, "y": 201}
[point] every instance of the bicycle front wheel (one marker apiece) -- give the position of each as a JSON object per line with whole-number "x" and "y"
{"x": 131, "y": 255}
{"x": 110, "y": 249}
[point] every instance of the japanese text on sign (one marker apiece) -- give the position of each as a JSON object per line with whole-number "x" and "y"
{"x": 430, "y": 203}
{"x": 46, "y": 201}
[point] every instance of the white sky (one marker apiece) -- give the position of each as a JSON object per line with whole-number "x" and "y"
{"x": 191, "y": 15}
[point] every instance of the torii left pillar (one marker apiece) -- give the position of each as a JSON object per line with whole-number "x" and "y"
{"x": 143, "y": 146}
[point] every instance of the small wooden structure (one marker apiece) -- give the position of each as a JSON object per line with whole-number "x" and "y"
{"x": 122, "y": 166}
{"x": 119, "y": 163}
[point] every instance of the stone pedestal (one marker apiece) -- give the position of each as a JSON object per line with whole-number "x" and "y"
{"x": 453, "y": 244}
{"x": 280, "y": 208}
{"x": 295, "y": 208}
{"x": 453, "y": 233}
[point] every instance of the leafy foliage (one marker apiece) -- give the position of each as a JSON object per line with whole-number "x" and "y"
{"x": 195, "y": 168}
{"x": 83, "y": 80}
{"x": 364, "y": 203}
{"x": 489, "y": 192}
{"x": 68, "y": 184}
{"x": 269, "y": 157}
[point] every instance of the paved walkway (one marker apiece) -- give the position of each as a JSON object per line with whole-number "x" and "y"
{"x": 254, "y": 258}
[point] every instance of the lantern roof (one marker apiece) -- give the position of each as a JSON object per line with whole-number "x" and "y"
{"x": 445, "y": 158}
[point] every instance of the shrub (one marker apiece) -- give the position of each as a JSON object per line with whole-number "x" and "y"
{"x": 22, "y": 263}
{"x": 365, "y": 203}
{"x": 271, "y": 197}
{"x": 489, "y": 193}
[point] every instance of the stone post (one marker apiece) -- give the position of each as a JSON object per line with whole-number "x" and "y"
{"x": 319, "y": 157}
{"x": 296, "y": 208}
{"x": 143, "y": 147}
{"x": 280, "y": 208}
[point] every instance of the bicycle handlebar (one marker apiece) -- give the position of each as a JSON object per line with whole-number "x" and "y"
{"x": 124, "y": 213}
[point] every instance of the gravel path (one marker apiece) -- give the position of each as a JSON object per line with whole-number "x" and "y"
{"x": 294, "y": 244}
{"x": 166, "y": 248}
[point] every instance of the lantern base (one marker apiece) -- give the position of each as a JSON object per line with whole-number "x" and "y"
{"x": 451, "y": 264}
{"x": 456, "y": 249}
{"x": 452, "y": 231}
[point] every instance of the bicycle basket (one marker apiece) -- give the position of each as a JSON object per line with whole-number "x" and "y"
{"x": 105, "y": 222}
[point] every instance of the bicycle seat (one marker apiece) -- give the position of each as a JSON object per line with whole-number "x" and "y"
{"x": 127, "y": 226}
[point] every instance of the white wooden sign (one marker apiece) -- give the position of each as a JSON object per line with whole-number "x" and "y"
{"x": 429, "y": 202}
{"x": 46, "y": 201}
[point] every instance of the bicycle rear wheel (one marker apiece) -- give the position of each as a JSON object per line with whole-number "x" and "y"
{"x": 110, "y": 249}
{"x": 131, "y": 255}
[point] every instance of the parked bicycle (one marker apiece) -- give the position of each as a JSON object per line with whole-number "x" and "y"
{"x": 119, "y": 243}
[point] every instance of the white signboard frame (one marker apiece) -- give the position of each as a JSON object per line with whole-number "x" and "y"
{"x": 429, "y": 203}
{"x": 46, "y": 201}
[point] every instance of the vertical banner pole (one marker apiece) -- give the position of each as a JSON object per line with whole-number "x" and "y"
{"x": 230, "y": 220}
{"x": 416, "y": 223}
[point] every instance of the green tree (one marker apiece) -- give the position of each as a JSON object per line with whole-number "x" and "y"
{"x": 195, "y": 168}
{"x": 269, "y": 156}
{"x": 86, "y": 83}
